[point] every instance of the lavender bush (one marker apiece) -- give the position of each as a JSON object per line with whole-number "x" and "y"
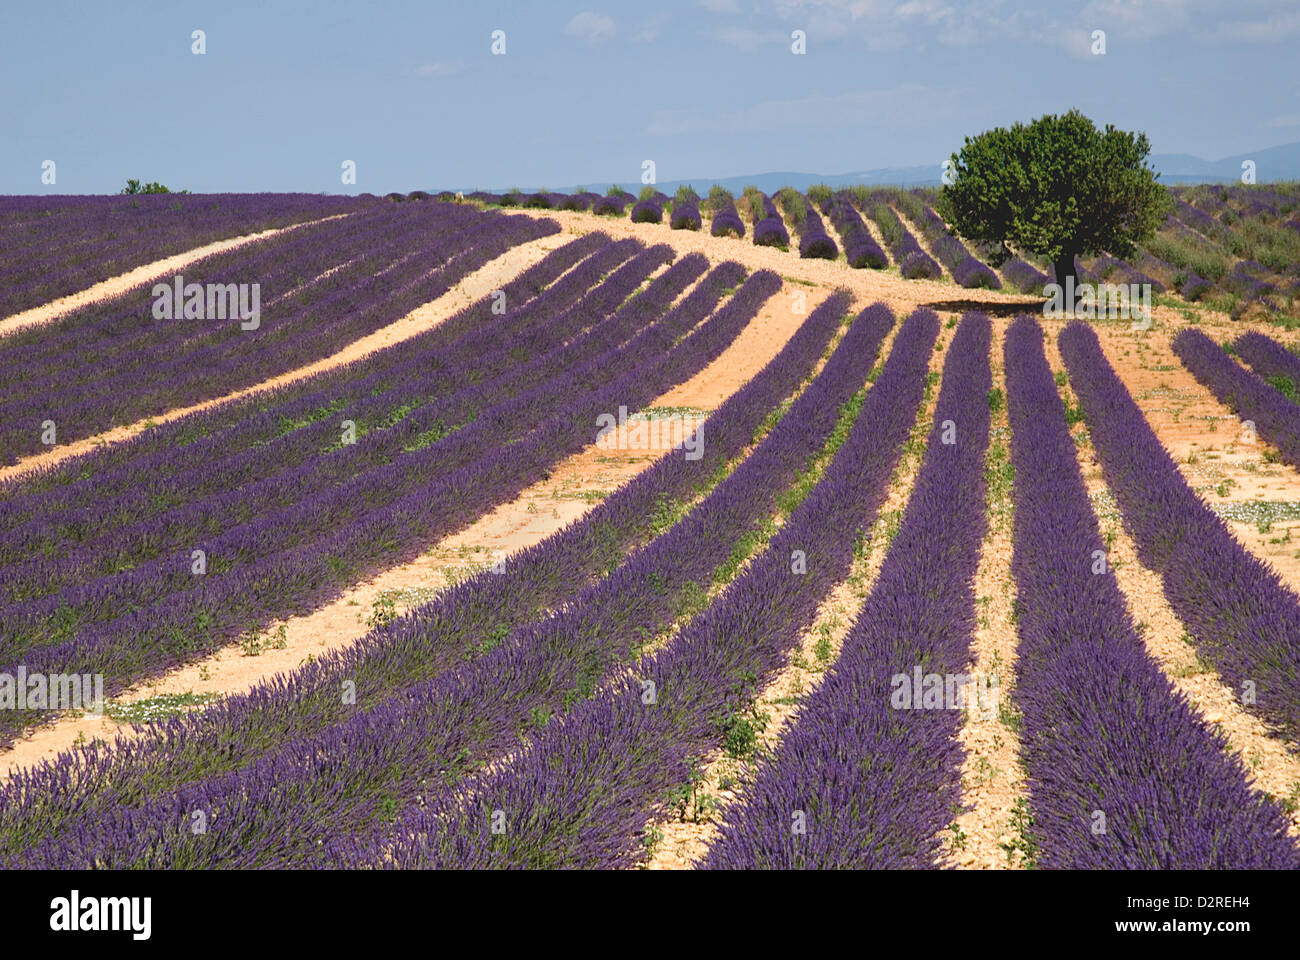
{"x": 686, "y": 215}
{"x": 648, "y": 211}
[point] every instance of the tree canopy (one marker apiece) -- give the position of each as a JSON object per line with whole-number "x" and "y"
{"x": 135, "y": 186}
{"x": 1057, "y": 187}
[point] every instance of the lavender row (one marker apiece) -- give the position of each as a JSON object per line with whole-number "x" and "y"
{"x": 1276, "y": 419}
{"x": 427, "y": 732}
{"x": 875, "y": 777}
{"x": 860, "y": 247}
{"x": 293, "y": 580}
{"x": 394, "y": 256}
{"x": 1025, "y": 276}
{"x": 1244, "y": 279}
{"x": 1122, "y": 772}
{"x": 814, "y": 242}
{"x": 965, "y": 269}
{"x": 389, "y": 434}
{"x": 726, "y": 220}
{"x": 769, "y": 229}
{"x": 289, "y": 263}
{"x": 1199, "y": 220}
{"x": 1107, "y": 266}
{"x": 288, "y": 435}
{"x": 467, "y": 620}
{"x": 1241, "y": 616}
{"x": 273, "y": 438}
{"x": 611, "y": 205}
{"x": 352, "y": 303}
{"x": 913, "y": 262}
{"x": 1268, "y": 358}
{"x": 1194, "y": 286}
{"x": 319, "y": 496}
{"x": 582, "y": 793}
{"x": 88, "y": 239}
{"x": 578, "y": 201}
{"x": 212, "y": 435}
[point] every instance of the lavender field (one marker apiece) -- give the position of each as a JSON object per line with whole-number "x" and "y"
{"x": 361, "y": 514}
{"x": 769, "y": 647}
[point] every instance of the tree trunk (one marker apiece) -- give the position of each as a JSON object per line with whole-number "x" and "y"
{"x": 1064, "y": 267}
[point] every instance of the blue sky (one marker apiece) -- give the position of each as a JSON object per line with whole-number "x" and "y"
{"x": 586, "y": 91}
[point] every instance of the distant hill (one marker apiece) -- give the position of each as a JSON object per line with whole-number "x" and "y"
{"x": 1275, "y": 163}
{"x": 1271, "y": 164}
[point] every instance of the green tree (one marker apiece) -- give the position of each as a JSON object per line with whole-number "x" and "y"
{"x": 1057, "y": 187}
{"x": 135, "y": 186}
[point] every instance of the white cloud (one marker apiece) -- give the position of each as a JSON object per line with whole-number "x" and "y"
{"x": 437, "y": 69}
{"x": 591, "y": 27}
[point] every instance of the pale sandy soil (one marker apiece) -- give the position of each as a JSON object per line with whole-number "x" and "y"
{"x": 686, "y": 835}
{"x": 573, "y": 488}
{"x": 477, "y": 285}
{"x": 116, "y": 286}
{"x": 1272, "y": 767}
{"x": 992, "y": 777}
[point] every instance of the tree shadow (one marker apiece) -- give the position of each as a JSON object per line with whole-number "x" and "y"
{"x": 994, "y": 308}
